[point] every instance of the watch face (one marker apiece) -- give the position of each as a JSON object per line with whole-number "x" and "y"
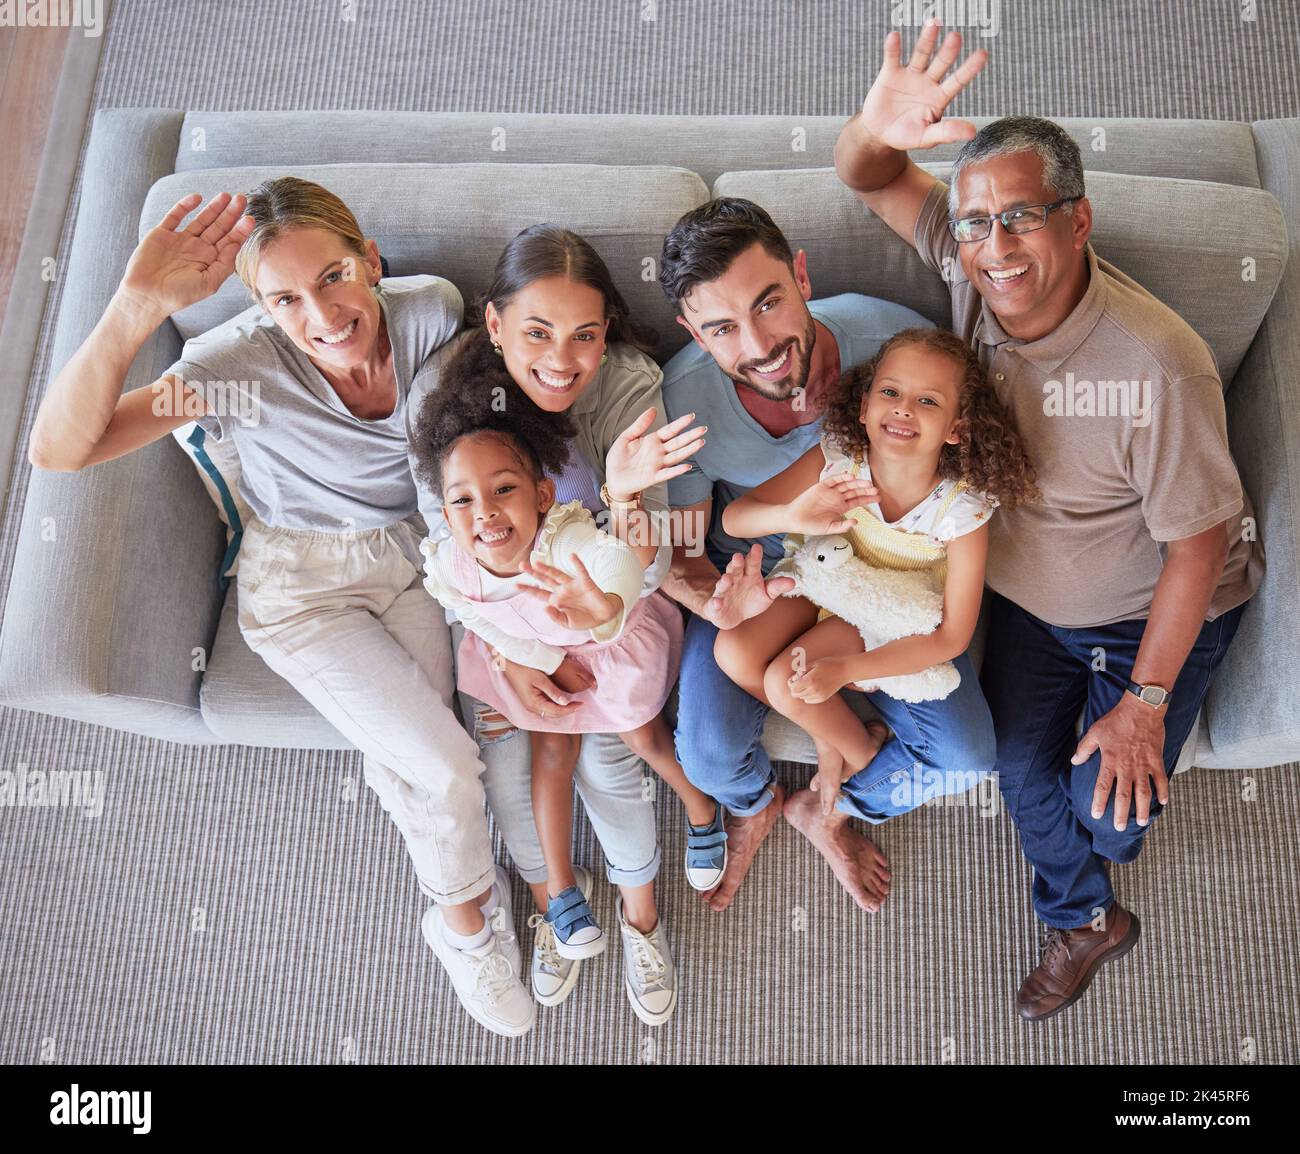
{"x": 1152, "y": 694}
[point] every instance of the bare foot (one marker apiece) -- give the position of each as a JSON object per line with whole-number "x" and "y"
{"x": 744, "y": 836}
{"x": 858, "y": 864}
{"x": 877, "y": 732}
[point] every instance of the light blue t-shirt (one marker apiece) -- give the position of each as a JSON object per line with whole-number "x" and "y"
{"x": 739, "y": 453}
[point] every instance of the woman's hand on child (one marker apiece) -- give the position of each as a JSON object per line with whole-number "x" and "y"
{"x": 539, "y": 693}
{"x": 824, "y": 678}
{"x": 573, "y": 601}
{"x": 823, "y": 508}
{"x": 641, "y": 458}
{"x": 741, "y": 591}
{"x": 573, "y": 677}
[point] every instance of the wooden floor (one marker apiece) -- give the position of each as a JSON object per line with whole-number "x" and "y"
{"x": 30, "y": 59}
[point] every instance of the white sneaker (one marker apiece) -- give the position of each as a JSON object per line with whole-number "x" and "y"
{"x": 554, "y": 976}
{"x": 486, "y": 979}
{"x": 504, "y": 922}
{"x": 649, "y": 976}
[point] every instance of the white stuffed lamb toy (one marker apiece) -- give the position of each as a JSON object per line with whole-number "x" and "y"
{"x": 884, "y": 604}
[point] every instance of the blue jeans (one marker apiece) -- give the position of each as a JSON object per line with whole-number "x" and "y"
{"x": 938, "y": 747}
{"x": 1037, "y": 678}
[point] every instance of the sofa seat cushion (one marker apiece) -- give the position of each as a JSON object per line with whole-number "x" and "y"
{"x": 245, "y": 702}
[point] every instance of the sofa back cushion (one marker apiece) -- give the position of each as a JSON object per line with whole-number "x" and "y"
{"x": 1213, "y": 252}
{"x": 710, "y": 145}
{"x": 454, "y": 220}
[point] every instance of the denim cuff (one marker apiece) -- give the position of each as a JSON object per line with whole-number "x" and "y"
{"x": 845, "y": 803}
{"x": 634, "y": 877}
{"x": 764, "y": 800}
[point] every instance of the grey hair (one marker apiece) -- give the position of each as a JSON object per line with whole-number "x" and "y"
{"x": 1062, "y": 164}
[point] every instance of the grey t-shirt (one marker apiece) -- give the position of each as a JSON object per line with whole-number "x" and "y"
{"x": 739, "y": 453}
{"x": 305, "y": 461}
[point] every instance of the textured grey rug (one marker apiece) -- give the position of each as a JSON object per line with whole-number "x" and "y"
{"x": 237, "y": 904}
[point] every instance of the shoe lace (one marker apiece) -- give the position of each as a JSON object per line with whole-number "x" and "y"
{"x": 1053, "y": 945}
{"x": 646, "y": 960}
{"x": 544, "y": 942}
{"x": 501, "y": 927}
{"x": 494, "y": 976}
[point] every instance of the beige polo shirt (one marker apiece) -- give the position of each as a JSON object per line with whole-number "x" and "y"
{"x": 1121, "y": 409}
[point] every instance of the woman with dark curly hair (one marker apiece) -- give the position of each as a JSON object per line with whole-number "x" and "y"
{"x": 916, "y": 453}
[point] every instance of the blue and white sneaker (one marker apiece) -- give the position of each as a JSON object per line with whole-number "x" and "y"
{"x": 706, "y": 853}
{"x": 554, "y": 977}
{"x": 577, "y": 933}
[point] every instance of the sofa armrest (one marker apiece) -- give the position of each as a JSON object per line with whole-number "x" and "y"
{"x": 1250, "y": 711}
{"x": 114, "y": 585}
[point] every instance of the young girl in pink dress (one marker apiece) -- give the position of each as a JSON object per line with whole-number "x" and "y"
{"x": 539, "y": 584}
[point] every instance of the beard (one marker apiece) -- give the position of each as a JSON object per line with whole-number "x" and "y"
{"x": 801, "y": 348}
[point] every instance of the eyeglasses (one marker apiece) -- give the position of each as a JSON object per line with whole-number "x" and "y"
{"x": 1017, "y": 221}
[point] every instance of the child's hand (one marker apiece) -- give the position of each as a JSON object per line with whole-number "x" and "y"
{"x": 574, "y": 602}
{"x": 826, "y": 785}
{"x": 822, "y": 679}
{"x": 822, "y": 508}
{"x": 573, "y": 677}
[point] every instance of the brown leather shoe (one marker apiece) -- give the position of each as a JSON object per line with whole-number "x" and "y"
{"x": 1070, "y": 961}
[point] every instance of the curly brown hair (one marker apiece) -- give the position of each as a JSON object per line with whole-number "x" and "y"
{"x": 476, "y": 395}
{"x": 990, "y": 457}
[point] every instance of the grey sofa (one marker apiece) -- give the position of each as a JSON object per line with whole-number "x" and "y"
{"x": 115, "y": 615}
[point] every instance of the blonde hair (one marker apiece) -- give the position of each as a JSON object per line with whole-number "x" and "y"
{"x": 284, "y": 204}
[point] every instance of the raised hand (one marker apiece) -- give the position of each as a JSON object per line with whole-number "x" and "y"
{"x": 822, "y": 508}
{"x": 904, "y": 108}
{"x": 641, "y": 458}
{"x": 573, "y": 601}
{"x": 174, "y": 267}
{"x": 741, "y": 591}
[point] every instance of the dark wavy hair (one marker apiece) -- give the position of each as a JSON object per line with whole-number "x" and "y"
{"x": 465, "y": 404}
{"x": 990, "y": 457}
{"x": 702, "y": 245}
{"x": 547, "y": 250}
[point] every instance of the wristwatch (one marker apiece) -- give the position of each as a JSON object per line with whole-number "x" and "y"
{"x": 1153, "y": 695}
{"x": 619, "y": 506}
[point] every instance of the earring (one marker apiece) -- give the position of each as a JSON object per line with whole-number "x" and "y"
{"x": 604, "y": 357}
{"x": 496, "y": 348}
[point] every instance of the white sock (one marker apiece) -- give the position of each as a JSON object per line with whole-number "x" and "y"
{"x": 468, "y": 941}
{"x": 490, "y": 901}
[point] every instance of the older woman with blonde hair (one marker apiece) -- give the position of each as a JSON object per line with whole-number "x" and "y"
{"x": 330, "y": 573}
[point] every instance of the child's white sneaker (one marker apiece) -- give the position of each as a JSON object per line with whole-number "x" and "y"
{"x": 553, "y": 976}
{"x": 649, "y": 976}
{"x": 486, "y": 977}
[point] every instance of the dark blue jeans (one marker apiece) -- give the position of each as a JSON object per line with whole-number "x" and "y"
{"x": 938, "y": 748}
{"x": 1037, "y": 678}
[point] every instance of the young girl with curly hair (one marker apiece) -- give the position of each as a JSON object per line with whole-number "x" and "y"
{"x": 915, "y": 455}
{"x": 537, "y": 582}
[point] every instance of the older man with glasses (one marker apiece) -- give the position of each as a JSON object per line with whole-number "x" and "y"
{"x": 1117, "y": 594}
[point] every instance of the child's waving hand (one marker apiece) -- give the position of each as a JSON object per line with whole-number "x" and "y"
{"x": 575, "y": 602}
{"x": 822, "y": 508}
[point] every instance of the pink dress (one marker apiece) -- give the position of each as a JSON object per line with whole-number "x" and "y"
{"x": 634, "y": 673}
